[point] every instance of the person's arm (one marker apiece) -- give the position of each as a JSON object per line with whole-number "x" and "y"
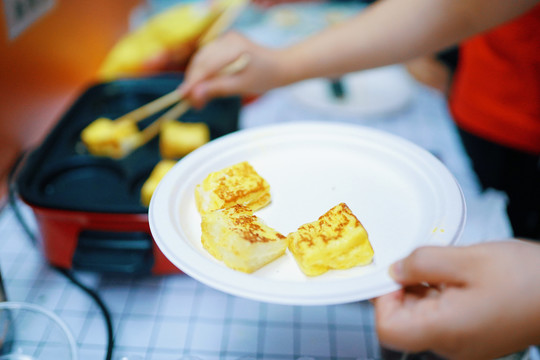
{"x": 387, "y": 32}
{"x": 483, "y": 301}
{"x": 393, "y": 31}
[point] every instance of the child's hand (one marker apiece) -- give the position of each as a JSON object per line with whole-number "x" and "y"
{"x": 482, "y": 301}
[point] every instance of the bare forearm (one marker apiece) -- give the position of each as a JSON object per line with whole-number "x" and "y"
{"x": 393, "y": 31}
{"x": 388, "y": 32}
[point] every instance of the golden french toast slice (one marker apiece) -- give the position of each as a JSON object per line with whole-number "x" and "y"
{"x": 158, "y": 173}
{"x": 177, "y": 139}
{"x": 236, "y": 184}
{"x": 115, "y": 139}
{"x": 337, "y": 240}
{"x": 240, "y": 239}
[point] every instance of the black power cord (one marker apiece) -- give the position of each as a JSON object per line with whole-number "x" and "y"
{"x": 12, "y": 191}
{"x": 99, "y": 302}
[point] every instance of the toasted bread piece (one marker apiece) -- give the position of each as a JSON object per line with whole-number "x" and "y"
{"x": 105, "y": 137}
{"x": 240, "y": 239}
{"x": 337, "y": 240}
{"x": 177, "y": 139}
{"x": 151, "y": 183}
{"x": 236, "y": 184}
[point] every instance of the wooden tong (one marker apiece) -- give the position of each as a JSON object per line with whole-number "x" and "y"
{"x": 222, "y": 23}
{"x": 176, "y": 111}
{"x": 120, "y": 145}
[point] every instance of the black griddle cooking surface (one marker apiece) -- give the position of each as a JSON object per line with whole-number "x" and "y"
{"x": 61, "y": 174}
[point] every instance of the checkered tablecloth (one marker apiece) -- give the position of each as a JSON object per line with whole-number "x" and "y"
{"x": 171, "y": 317}
{"x": 168, "y": 317}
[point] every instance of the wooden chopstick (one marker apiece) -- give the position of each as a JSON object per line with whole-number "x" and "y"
{"x": 222, "y": 23}
{"x": 225, "y": 19}
{"x": 183, "y": 106}
{"x": 152, "y": 107}
{"x": 153, "y": 129}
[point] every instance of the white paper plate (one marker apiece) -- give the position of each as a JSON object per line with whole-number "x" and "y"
{"x": 374, "y": 92}
{"x": 403, "y": 195}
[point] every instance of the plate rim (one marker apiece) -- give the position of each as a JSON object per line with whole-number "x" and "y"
{"x": 236, "y": 277}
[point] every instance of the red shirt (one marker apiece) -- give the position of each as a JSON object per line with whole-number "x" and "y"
{"x": 496, "y": 92}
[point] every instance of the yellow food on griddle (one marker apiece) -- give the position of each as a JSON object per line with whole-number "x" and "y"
{"x": 177, "y": 139}
{"x": 240, "y": 239}
{"x": 236, "y": 184}
{"x": 337, "y": 240}
{"x": 153, "y": 180}
{"x": 104, "y": 137}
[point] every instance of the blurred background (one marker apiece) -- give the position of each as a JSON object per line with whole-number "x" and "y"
{"x": 51, "y": 50}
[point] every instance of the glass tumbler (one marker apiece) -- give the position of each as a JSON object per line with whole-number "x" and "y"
{"x": 29, "y": 332}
